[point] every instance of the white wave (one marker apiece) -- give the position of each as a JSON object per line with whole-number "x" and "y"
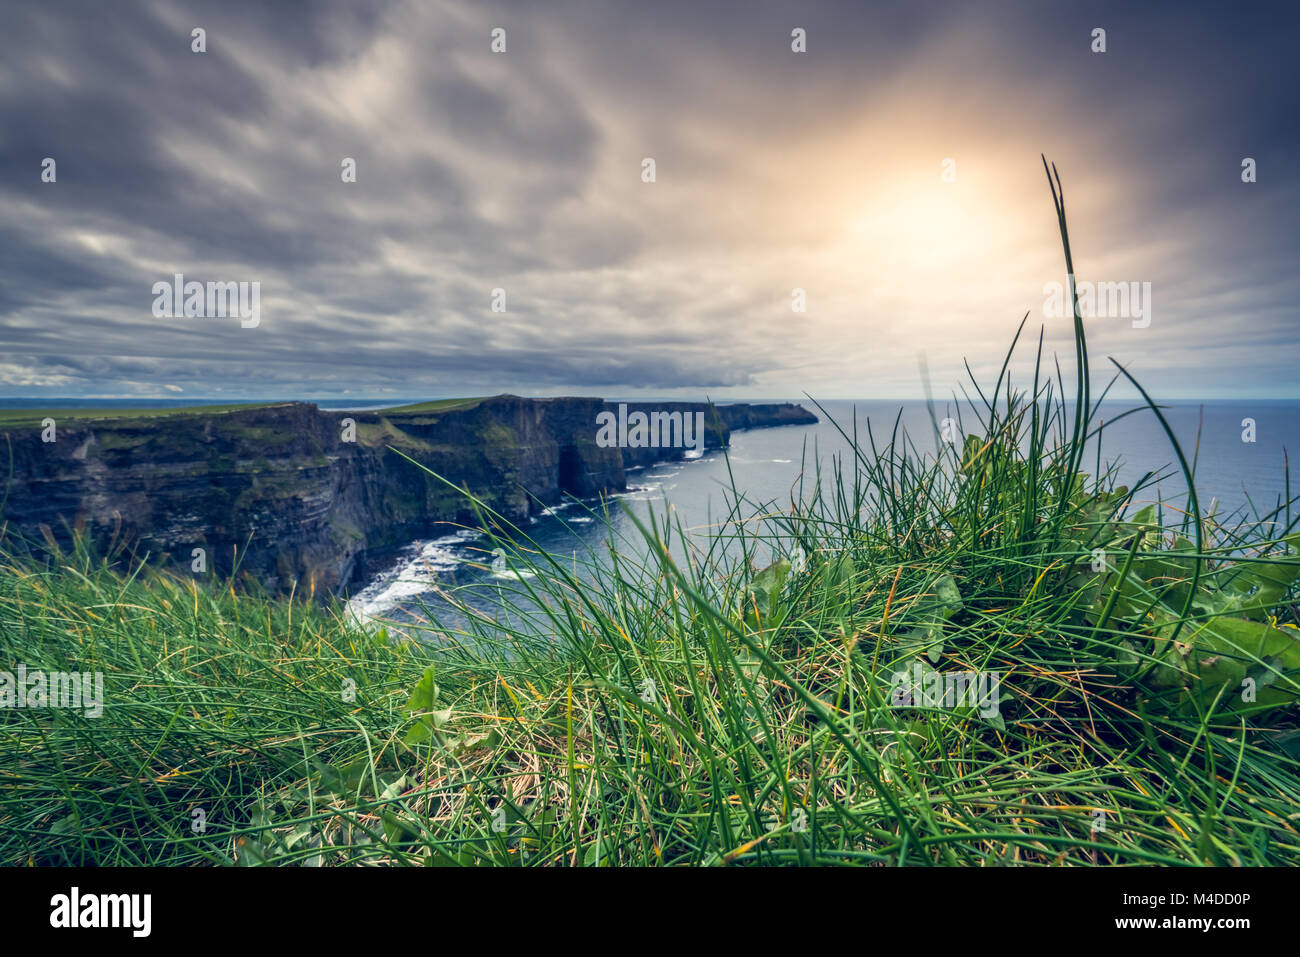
{"x": 459, "y": 537}
{"x": 413, "y": 575}
{"x": 514, "y": 576}
{"x": 501, "y": 570}
{"x": 644, "y": 495}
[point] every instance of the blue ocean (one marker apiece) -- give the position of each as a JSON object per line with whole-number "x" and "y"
{"x": 769, "y": 467}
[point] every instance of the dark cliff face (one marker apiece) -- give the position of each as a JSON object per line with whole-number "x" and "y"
{"x": 746, "y": 416}
{"x": 295, "y": 497}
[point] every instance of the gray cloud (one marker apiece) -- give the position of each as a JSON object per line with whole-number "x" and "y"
{"x": 521, "y": 171}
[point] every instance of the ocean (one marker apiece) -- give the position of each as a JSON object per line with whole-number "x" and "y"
{"x": 766, "y": 465}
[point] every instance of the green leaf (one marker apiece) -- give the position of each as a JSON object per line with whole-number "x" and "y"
{"x": 252, "y": 853}
{"x": 1226, "y": 652}
{"x": 397, "y": 828}
{"x": 761, "y": 602}
{"x": 599, "y": 853}
{"x": 1266, "y": 585}
{"x": 429, "y": 719}
{"x": 425, "y": 694}
{"x": 345, "y": 779}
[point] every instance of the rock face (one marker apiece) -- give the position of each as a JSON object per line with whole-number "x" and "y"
{"x": 278, "y": 493}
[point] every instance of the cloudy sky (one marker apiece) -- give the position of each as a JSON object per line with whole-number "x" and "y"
{"x": 523, "y": 171}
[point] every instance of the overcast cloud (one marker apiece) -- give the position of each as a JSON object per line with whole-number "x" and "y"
{"x": 522, "y": 170}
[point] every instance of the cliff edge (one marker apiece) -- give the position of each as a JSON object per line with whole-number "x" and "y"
{"x": 295, "y": 495}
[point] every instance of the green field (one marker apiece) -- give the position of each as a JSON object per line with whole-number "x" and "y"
{"x": 33, "y": 417}
{"x": 440, "y": 405}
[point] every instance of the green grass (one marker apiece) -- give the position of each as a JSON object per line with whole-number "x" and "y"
{"x": 383, "y": 432}
{"x": 438, "y": 405}
{"x": 711, "y": 699}
{"x": 33, "y": 417}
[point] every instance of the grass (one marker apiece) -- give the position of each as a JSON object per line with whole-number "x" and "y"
{"x": 726, "y": 699}
{"x": 33, "y": 417}
{"x": 438, "y": 405}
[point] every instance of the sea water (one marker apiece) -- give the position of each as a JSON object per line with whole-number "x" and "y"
{"x": 774, "y": 467}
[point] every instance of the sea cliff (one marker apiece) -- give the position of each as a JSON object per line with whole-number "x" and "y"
{"x": 296, "y": 497}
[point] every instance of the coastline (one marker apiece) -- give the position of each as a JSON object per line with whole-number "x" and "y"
{"x": 296, "y": 497}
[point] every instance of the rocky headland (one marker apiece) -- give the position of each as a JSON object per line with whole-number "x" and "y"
{"x": 299, "y": 497}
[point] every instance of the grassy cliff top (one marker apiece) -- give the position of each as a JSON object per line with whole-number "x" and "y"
{"x": 438, "y": 405}
{"x": 34, "y": 416}
{"x": 24, "y": 417}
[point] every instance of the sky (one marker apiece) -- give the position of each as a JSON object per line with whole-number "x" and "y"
{"x": 891, "y": 171}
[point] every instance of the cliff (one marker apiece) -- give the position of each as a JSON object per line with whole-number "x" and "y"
{"x": 290, "y": 494}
